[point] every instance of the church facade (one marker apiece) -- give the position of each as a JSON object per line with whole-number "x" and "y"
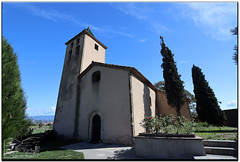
{"x": 99, "y": 102}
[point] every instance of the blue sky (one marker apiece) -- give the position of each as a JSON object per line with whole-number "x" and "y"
{"x": 197, "y": 33}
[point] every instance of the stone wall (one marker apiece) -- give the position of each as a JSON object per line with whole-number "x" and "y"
{"x": 109, "y": 98}
{"x": 164, "y": 109}
{"x": 143, "y": 103}
{"x": 175, "y": 148}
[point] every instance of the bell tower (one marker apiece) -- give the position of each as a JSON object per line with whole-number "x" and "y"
{"x": 81, "y": 50}
{"x": 85, "y": 48}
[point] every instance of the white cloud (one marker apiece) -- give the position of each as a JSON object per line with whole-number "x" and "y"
{"x": 232, "y": 103}
{"x": 55, "y": 15}
{"x": 124, "y": 34}
{"x": 48, "y": 14}
{"x": 136, "y": 10}
{"x": 142, "y": 40}
{"x": 215, "y": 18}
{"x": 158, "y": 27}
{"x": 144, "y": 13}
{"x": 41, "y": 111}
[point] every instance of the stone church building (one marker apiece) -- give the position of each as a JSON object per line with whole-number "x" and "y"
{"x": 102, "y": 102}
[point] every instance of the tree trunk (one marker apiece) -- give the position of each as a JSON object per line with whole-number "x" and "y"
{"x": 179, "y": 110}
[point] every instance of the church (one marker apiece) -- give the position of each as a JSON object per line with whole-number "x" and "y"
{"x": 100, "y": 102}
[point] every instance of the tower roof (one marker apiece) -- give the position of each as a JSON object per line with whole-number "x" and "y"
{"x": 89, "y": 31}
{"x": 90, "y": 34}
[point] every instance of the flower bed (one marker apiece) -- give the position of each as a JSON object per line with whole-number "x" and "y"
{"x": 168, "y": 137}
{"x": 172, "y": 146}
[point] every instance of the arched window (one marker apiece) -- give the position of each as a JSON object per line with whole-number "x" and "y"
{"x": 96, "y": 77}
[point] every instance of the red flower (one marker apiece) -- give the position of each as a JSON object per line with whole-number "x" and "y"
{"x": 150, "y": 117}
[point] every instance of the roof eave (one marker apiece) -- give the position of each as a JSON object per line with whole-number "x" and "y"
{"x": 132, "y": 70}
{"x": 90, "y": 35}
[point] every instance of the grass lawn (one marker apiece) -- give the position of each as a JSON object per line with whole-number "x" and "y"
{"x": 49, "y": 151}
{"x": 214, "y": 128}
{"x": 218, "y": 136}
{"x": 42, "y": 129}
{"x": 46, "y": 155}
{"x": 217, "y": 133}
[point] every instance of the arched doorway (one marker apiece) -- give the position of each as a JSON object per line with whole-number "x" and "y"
{"x": 96, "y": 129}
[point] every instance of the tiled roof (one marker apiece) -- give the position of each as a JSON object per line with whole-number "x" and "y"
{"x": 89, "y": 33}
{"x": 128, "y": 68}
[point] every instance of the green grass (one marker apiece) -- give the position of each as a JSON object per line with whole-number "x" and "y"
{"x": 218, "y": 136}
{"x": 47, "y": 155}
{"x": 216, "y": 133}
{"x": 49, "y": 151}
{"x": 214, "y": 128}
{"x": 42, "y": 129}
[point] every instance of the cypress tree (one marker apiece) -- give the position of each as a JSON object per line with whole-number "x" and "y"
{"x": 14, "y": 120}
{"x": 207, "y": 105}
{"x": 173, "y": 85}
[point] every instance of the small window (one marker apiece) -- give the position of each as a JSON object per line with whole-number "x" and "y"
{"x": 150, "y": 100}
{"x": 96, "y": 77}
{"x": 72, "y": 45}
{"x": 78, "y": 41}
{"x": 77, "y": 50}
{"x": 69, "y": 55}
{"x": 96, "y": 47}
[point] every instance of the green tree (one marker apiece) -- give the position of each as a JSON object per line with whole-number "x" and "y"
{"x": 173, "y": 85}
{"x": 235, "y": 54}
{"x": 192, "y": 102}
{"x": 207, "y": 105}
{"x": 160, "y": 85}
{"x": 14, "y": 121}
{"x": 40, "y": 125}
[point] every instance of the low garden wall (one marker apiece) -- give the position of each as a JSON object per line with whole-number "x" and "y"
{"x": 168, "y": 146}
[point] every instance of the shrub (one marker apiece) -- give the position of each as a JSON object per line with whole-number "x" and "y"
{"x": 167, "y": 124}
{"x": 147, "y": 123}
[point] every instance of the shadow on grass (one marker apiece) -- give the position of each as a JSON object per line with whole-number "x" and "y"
{"x": 55, "y": 144}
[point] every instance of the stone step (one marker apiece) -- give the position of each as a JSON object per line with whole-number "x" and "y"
{"x": 215, "y": 157}
{"x": 220, "y": 150}
{"x": 220, "y": 143}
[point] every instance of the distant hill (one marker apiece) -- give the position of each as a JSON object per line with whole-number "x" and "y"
{"x": 43, "y": 118}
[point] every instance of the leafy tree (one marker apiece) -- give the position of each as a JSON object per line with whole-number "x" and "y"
{"x": 173, "y": 84}
{"x": 207, "y": 105}
{"x": 235, "y": 54}
{"x": 160, "y": 85}
{"x": 40, "y": 125}
{"x": 14, "y": 122}
{"x": 192, "y": 103}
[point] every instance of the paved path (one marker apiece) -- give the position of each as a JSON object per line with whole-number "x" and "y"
{"x": 103, "y": 151}
{"x": 111, "y": 151}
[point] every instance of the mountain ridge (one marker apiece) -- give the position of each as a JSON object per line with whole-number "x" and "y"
{"x": 49, "y": 118}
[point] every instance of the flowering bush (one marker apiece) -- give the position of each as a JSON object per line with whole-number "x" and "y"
{"x": 167, "y": 124}
{"x": 147, "y": 123}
